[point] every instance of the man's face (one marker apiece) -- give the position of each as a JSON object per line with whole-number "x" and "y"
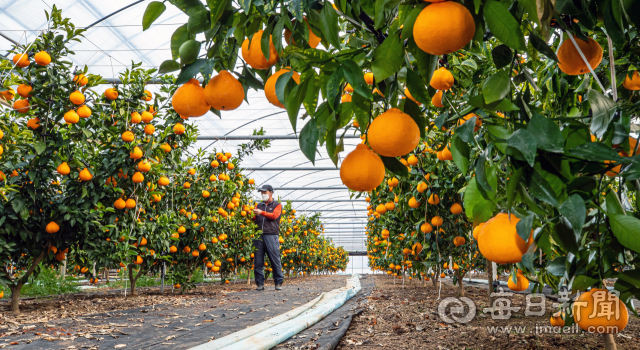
{"x": 268, "y": 193}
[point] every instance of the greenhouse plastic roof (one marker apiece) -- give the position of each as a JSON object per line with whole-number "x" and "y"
{"x": 110, "y": 46}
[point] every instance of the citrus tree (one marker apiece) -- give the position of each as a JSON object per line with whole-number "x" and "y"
{"x": 46, "y": 167}
{"x": 536, "y": 121}
{"x": 141, "y": 141}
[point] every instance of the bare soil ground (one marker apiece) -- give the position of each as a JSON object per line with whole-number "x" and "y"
{"x": 86, "y": 303}
{"x": 398, "y": 319}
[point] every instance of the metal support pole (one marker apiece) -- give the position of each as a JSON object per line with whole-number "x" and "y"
{"x": 162, "y": 274}
{"x": 258, "y": 137}
{"x": 290, "y": 168}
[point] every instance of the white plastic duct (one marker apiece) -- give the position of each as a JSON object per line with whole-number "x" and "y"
{"x": 270, "y": 333}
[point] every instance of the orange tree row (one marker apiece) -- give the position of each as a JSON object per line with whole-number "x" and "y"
{"x": 536, "y": 122}
{"x": 104, "y": 179}
{"x": 304, "y": 249}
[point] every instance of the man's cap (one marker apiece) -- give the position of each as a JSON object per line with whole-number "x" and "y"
{"x": 265, "y": 188}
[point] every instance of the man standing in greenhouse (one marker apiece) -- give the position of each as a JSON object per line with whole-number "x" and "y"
{"x": 267, "y": 217}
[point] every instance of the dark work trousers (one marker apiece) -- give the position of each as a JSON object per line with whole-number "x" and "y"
{"x": 269, "y": 245}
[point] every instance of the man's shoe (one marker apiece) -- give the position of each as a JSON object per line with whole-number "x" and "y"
{"x": 278, "y": 287}
{"x": 260, "y": 288}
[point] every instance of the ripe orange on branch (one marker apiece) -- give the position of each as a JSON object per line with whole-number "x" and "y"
{"x": 570, "y": 61}
{"x": 362, "y": 169}
{"x": 393, "y": 133}
{"x": 224, "y": 92}
{"x": 189, "y": 100}
{"x": 21, "y": 60}
{"x": 442, "y": 79}
{"x": 252, "y": 53}
{"x": 443, "y": 27}
{"x": 270, "y": 86}
{"x": 499, "y": 241}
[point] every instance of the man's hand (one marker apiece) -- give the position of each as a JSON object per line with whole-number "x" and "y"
{"x": 257, "y": 211}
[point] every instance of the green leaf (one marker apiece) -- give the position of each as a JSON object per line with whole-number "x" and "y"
{"x": 407, "y": 26}
{"x": 603, "y": 109}
{"x": 282, "y": 81}
{"x": 566, "y": 7}
{"x": 473, "y": 197}
{"x": 541, "y": 189}
{"x": 531, "y": 8}
{"x": 40, "y": 147}
{"x": 439, "y": 122}
{"x": 503, "y": 25}
{"x": 542, "y": 47}
{"x": 523, "y": 141}
{"x": 496, "y": 87}
{"x": 482, "y": 211}
{"x": 153, "y": 12}
{"x": 632, "y": 173}
{"x": 246, "y": 5}
{"x": 394, "y": 166}
{"x": 355, "y": 77}
{"x": 523, "y": 227}
{"x": 168, "y": 66}
{"x": 387, "y": 58}
{"x": 309, "y": 140}
{"x": 501, "y": 105}
{"x": 277, "y": 33}
{"x": 557, "y": 266}
{"x": 379, "y": 14}
{"x": 334, "y": 87}
{"x": 198, "y": 22}
{"x": 189, "y": 51}
{"x": 412, "y": 109}
{"x": 547, "y": 134}
{"x": 329, "y": 25}
{"x": 217, "y": 7}
{"x": 265, "y": 40}
{"x": 427, "y": 63}
{"x": 17, "y": 204}
{"x": 177, "y": 39}
{"x": 582, "y": 283}
{"x": 190, "y": 71}
{"x": 416, "y": 88}
{"x": 461, "y": 152}
{"x": 465, "y": 131}
{"x": 512, "y": 186}
{"x": 564, "y": 235}
{"x": 310, "y": 101}
{"x": 481, "y": 173}
{"x": 502, "y": 56}
{"x": 189, "y": 7}
{"x": 361, "y": 108}
{"x": 597, "y": 152}
{"x": 297, "y": 8}
{"x": 575, "y": 211}
{"x": 614, "y": 206}
{"x": 331, "y": 146}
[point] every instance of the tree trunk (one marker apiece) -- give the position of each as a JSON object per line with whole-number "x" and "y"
{"x": 248, "y": 276}
{"x": 460, "y": 285}
{"x": 106, "y": 272}
{"x": 17, "y": 287}
{"x": 490, "y": 280}
{"x": 63, "y": 269}
{"x": 609, "y": 342}
{"x": 15, "y": 297}
{"x": 132, "y": 279}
